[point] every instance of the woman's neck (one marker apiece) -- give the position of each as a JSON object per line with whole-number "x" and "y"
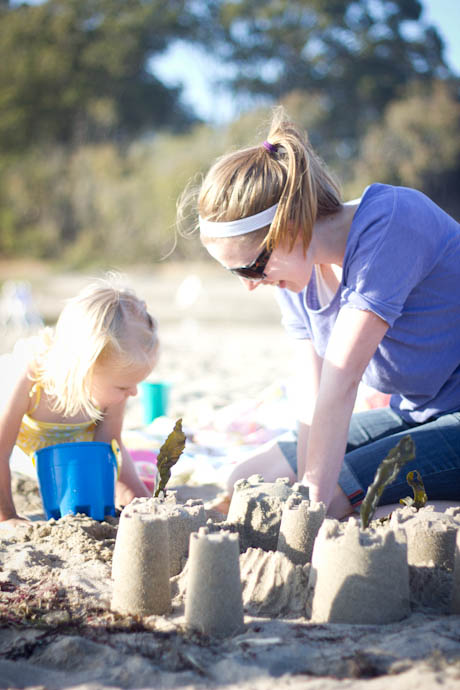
{"x": 330, "y": 235}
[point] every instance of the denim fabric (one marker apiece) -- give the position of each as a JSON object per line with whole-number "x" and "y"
{"x": 373, "y": 433}
{"x": 288, "y": 445}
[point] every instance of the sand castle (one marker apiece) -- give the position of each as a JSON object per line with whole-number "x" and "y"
{"x": 300, "y": 523}
{"x": 141, "y": 577}
{"x": 257, "y": 507}
{"x": 359, "y": 576}
{"x": 430, "y": 536}
{"x": 182, "y": 521}
{"x": 431, "y": 544}
{"x": 276, "y": 554}
{"x": 213, "y": 603}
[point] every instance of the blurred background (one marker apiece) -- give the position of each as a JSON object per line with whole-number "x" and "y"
{"x": 109, "y": 107}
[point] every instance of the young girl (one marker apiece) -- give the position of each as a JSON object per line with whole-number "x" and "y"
{"x": 72, "y": 383}
{"x": 369, "y": 290}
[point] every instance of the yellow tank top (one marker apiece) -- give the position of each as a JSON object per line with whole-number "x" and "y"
{"x": 34, "y": 434}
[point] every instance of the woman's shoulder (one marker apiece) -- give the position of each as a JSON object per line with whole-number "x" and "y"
{"x": 386, "y": 200}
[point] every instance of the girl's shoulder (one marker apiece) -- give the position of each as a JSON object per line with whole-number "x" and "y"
{"x": 25, "y": 357}
{"x": 27, "y": 352}
{"x": 17, "y": 369}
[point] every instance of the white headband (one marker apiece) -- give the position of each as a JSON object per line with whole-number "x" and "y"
{"x": 238, "y": 227}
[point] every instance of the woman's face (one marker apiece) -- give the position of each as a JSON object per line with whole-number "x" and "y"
{"x": 285, "y": 269}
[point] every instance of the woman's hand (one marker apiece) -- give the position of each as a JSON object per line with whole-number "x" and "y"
{"x": 354, "y": 339}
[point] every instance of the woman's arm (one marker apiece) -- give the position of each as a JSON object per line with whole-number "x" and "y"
{"x": 353, "y": 341}
{"x": 129, "y": 485}
{"x": 308, "y": 375}
{"x": 10, "y": 421}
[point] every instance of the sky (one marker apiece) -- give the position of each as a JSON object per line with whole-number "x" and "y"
{"x": 213, "y": 105}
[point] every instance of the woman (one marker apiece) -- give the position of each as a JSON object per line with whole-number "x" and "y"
{"x": 370, "y": 290}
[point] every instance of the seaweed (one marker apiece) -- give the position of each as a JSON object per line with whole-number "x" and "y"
{"x": 169, "y": 454}
{"x": 415, "y": 481}
{"x": 386, "y": 473}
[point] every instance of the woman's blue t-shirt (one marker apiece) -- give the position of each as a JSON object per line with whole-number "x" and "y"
{"x": 402, "y": 262}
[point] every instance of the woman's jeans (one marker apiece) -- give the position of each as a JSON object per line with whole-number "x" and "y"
{"x": 373, "y": 433}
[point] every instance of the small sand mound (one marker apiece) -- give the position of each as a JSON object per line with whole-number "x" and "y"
{"x": 272, "y": 584}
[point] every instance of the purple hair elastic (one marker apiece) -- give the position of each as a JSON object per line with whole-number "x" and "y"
{"x": 271, "y": 148}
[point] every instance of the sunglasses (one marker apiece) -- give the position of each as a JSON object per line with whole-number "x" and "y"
{"x": 255, "y": 270}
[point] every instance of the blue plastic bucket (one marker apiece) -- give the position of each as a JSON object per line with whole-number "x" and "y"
{"x": 78, "y": 478}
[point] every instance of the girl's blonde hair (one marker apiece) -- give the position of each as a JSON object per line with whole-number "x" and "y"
{"x": 103, "y": 322}
{"x": 250, "y": 180}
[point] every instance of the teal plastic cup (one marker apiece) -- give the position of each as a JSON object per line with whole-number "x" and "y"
{"x": 154, "y": 399}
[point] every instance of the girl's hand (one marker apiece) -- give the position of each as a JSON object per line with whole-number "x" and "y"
{"x": 123, "y": 495}
{"x": 14, "y": 522}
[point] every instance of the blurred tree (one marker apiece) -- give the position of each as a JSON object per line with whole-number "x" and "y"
{"x": 417, "y": 144}
{"x": 77, "y": 70}
{"x": 354, "y": 56}
{"x": 101, "y": 201}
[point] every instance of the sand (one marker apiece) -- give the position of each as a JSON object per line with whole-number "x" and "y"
{"x": 56, "y": 626}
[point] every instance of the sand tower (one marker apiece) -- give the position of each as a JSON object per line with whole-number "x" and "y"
{"x": 182, "y": 521}
{"x": 431, "y": 539}
{"x": 256, "y": 507}
{"x": 141, "y": 576}
{"x": 213, "y": 601}
{"x": 300, "y": 522}
{"x": 359, "y": 576}
{"x": 430, "y": 536}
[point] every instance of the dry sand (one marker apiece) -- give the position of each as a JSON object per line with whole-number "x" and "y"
{"x": 56, "y": 630}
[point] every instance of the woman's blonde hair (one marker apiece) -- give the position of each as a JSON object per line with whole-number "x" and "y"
{"x": 291, "y": 174}
{"x": 103, "y": 322}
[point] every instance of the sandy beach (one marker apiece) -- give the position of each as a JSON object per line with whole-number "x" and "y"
{"x": 220, "y": 345}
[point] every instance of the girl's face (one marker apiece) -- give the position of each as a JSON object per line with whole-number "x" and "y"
{"x": 285, "y": 269}
{"x": 112, "y": 384}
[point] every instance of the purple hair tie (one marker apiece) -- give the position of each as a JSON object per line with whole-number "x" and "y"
{"x": 271, "y": 148}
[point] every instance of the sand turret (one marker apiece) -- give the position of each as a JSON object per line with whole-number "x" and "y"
{"x": 430, "y": 536}
{"x": 300, "y": 522}
{"x": 182, "y": 521}
{"x": 359, "y": 576}
{"x": 141, "y": 577}
{"x": 213, "y": 602}
{"x": 257, "y": 506}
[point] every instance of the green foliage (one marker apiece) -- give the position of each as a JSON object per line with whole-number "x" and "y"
{"x": 95, "y": 151}
{"x": 101, "y": 201}
{"x": 74, "y": 71}
{"x": 169, "y": 454}
{"x": 356, "y": 55}
{"x": 416, "y": 144}
{"x": 386, "y": 473}
{"x": 420, "y": 498}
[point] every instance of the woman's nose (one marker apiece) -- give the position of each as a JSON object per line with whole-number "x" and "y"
{"x": 132, "y": 391}
{"x": 250, "y": 284}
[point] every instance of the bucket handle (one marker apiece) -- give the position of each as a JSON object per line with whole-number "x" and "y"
{"x": 118, "y": 456}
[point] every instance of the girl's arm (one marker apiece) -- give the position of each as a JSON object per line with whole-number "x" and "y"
{"x": 129, "y": 485}
{"x": 353, "y": 342}
{"x": 10, "y": 421}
